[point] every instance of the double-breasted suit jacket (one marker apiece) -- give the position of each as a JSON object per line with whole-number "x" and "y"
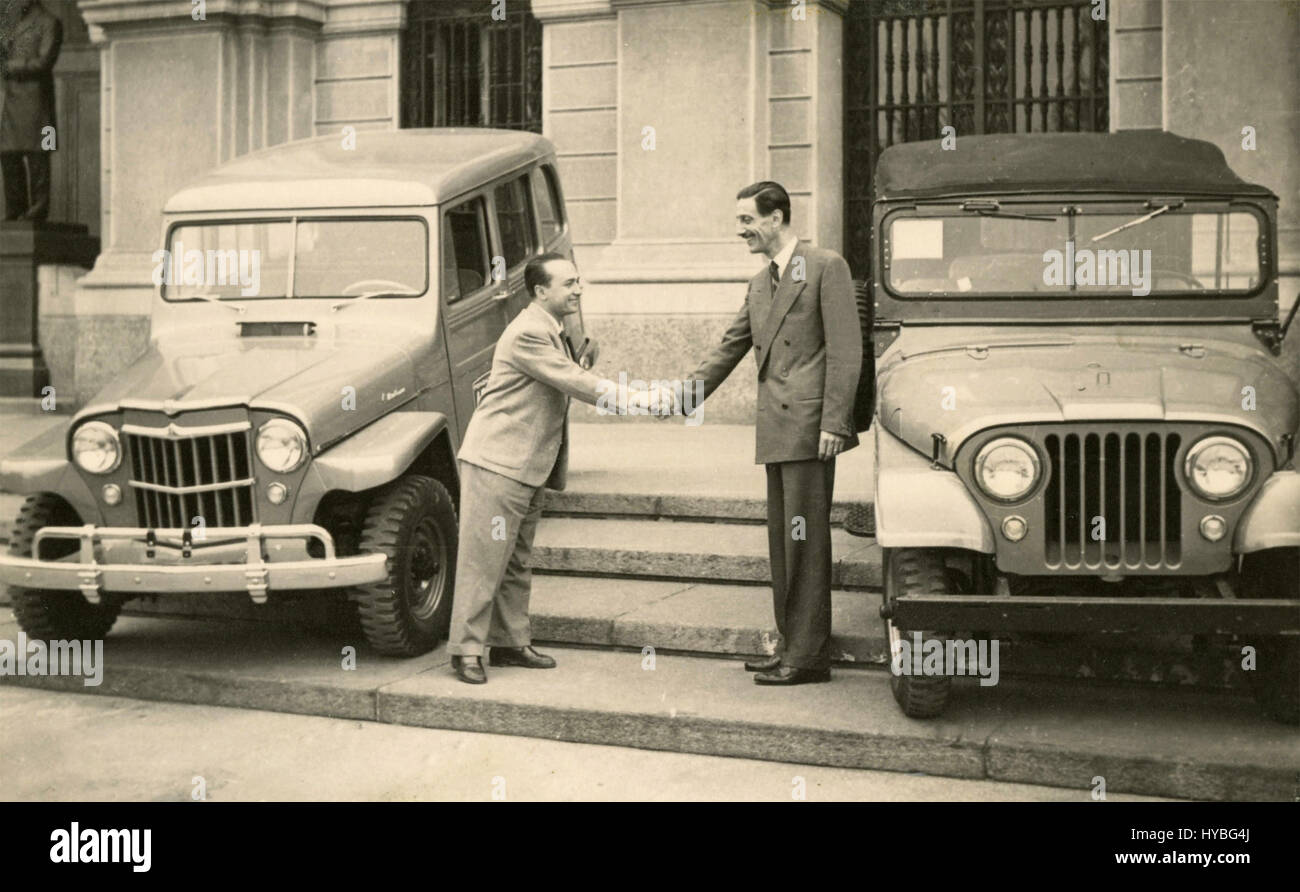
{"x": 808, "y": 345}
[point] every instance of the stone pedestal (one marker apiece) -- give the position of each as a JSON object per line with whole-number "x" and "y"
{"x": 25, "y": 246}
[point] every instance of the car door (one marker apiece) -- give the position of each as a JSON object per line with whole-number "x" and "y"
{"x": 474, "y": 306}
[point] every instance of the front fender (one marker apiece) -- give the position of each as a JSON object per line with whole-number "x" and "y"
{"x": 41, "y": 465}
{"x": 1273, "y": 519}
{"x": 920, "y": 507}
{"x": 373, "y": 456}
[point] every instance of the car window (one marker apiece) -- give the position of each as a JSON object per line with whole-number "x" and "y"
{"x": 464, "y": 249}
{"x": 547, "y": 203}
{"x": 514, "y": 221}
{"x": 347, "y": 258}
{"x": 226, "y": 260}
{"x": 1107, "y": 251}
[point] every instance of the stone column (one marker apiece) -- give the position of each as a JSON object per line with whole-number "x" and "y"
{"x": 660, "y": 111}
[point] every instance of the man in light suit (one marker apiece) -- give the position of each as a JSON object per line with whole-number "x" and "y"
{"x": 801, "y": 321}
{"x": 517, "y": 443}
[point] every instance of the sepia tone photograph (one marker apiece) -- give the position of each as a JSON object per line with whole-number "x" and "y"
{"x": 876, "y": 401}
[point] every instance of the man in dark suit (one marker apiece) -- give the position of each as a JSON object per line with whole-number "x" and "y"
{"x": 801, "y": 320}
{"x": 516, "y": 445}
{"x": 27, "y": 56}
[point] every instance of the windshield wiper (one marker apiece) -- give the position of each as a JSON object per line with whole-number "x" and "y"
{"x": 990, "y": 208}
{"x": 215, "y": 299}
{"x": 1145, "y": 217}
{"x": 369, "y": 294}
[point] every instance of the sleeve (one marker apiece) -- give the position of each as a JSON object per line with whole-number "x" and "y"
{"x": 843, "y": 336}
{"x": 737, "y": 340}
{"x": 538, "y": 358}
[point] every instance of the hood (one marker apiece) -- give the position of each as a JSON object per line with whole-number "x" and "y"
{"x": 301, "y": 376}
{"x": 956, "y": 382}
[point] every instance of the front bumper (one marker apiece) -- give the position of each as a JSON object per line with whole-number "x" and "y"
{"x": 1280, "y": 616}
{"x": 256, "y": 559}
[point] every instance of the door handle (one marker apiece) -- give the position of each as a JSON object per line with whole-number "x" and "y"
{"x": 501, "y": 295}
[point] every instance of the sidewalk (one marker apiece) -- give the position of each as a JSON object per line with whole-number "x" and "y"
{"x": 1146, "y": 742}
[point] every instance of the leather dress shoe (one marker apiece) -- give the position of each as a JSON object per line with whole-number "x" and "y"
{"x": 787, "y": 675}
{"x": 763, "y": 664}
{"x": 469, "y": 669}
{"x": 520, "y": 656}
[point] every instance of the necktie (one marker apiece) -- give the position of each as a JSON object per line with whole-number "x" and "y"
{"x": 775, "y": 272}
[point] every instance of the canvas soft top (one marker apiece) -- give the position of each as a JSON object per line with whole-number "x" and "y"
{"x": 1144, "y": 162}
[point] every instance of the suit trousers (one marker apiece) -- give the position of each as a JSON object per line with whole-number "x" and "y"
{"x": 494, "y": 579}
{"x": 799, "y": 543}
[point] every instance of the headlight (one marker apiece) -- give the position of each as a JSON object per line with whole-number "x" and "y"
{"x": 281, "y": 445}
{"x": 95, "y": 448}
{"x": 1006, "y": 468}
{"x": 1218, "y": 467}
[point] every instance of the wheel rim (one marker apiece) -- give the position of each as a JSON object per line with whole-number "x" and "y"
{"x": 426, "y": 577}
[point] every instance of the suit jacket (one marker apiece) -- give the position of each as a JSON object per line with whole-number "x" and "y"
{"x": 29, "y": 53}
{"x": 807, "y": 341}
{"x": 520, "y": 428}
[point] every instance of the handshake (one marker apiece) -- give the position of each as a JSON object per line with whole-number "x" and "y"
{"x": 654, "y": 400}
{"x": 659, "y": 398}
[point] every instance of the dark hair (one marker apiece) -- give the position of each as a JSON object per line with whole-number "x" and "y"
{"x": 768, "y": 196}
{"x": 535, "y": 272}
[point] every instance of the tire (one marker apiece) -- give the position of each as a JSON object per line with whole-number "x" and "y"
{"x": 916, "y": 571}
{"x": 413, "y": 522}
{"x": 54, "y": 614}
{"x": 1275, "y": 681}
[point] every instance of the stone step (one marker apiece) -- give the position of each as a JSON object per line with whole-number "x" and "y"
{"x": 685, "y": 550}
{"x": 732, "y": 509}
{"x": 1181, "y": 744}
{"x": 736, "y": 621}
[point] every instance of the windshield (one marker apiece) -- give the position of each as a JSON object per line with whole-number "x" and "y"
{"x": 334, "y": 258}
{"x": 1145, "y": 250}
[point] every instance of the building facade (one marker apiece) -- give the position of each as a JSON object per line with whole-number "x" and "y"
{"x": 660, "y": 110}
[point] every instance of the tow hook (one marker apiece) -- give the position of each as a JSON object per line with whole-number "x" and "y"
{"x": 187, "y": 543}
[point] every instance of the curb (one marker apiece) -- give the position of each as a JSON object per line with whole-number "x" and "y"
{"x": 1149, "y": 742}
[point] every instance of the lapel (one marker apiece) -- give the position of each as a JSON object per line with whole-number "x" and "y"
{"x": 787, "y": 291}
{"x": 561, "y": 341}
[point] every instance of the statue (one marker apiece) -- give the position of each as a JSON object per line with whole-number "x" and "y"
{"x": 28, "y": 51}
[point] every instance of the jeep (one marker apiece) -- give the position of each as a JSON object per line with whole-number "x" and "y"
{"x": 1081, "y": 425}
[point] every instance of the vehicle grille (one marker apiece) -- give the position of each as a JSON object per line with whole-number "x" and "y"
{"x": 1112, "y": 500}
{"x": 177, "y": 477}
